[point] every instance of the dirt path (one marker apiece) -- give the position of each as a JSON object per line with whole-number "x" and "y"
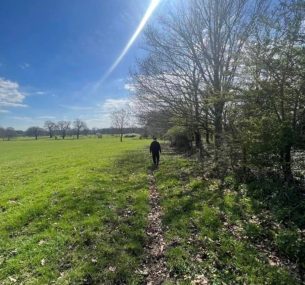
{"x": 154, "y": 265}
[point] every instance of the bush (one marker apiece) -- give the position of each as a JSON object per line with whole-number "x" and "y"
{"x": 288, "y": 243}
{"x": 178, "y": 138}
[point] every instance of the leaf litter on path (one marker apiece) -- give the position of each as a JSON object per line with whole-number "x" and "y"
{"x": 154, "y": 265}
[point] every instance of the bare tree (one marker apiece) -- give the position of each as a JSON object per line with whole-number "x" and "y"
{"x": 168, "y": 82}
{"x": 155, "y": 123}
{"x": 120, "y": 120}
{"x": 51, "y": 127}
{"x": 34, "y": 131}
{"x": 63, "y": 127}
{"x": 215, "y": 32}
{"x": 193, "y": 60}
{"x": 2, "y": 133}
{"x": 10, "y": 133}
{"x": 79, "y": 126}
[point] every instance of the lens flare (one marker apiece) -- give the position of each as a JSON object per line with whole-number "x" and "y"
{"x": 151, "y": 8}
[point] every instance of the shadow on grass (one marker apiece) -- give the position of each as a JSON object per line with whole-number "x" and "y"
{"x": 283, "y": 207}
{"x": 225, "y": 224}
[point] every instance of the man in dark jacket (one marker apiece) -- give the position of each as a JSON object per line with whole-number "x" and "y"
{"x": 155, "y": 150}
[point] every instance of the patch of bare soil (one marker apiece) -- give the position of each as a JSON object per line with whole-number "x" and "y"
{"x": 154, "y": 265}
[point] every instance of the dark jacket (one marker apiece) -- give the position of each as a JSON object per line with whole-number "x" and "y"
{"x": 155, "y": 147}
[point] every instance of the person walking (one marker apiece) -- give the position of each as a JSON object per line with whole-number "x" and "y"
{"x": 155, "y": 150}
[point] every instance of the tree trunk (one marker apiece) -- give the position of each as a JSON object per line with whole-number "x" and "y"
{"x": 198, "y": 143}
{"x": 286, "y": 163}
{"x": 218, "y": 124}
{"x": 207, "y": 137}
{"x": 244, "y": 157}
{"x": 121, "y": 137}
{"x": 207, "y": 134}
{"x": 77, "y": 135}
{"x": 218, "y": 135}
{"x": 197, "y": 134}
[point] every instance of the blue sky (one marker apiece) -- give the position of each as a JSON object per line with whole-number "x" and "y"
{"x": 54, "y": 54}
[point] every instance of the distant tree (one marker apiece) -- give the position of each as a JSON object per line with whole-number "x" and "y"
{"x": 50, "y": 127}
{"x": 20, "y": 133}
{"x": 10, "y": 133}
{"x": 86, "y": 131}
{"x": 120, "y": 120}
{"x": 2, "y": 133}
{"x": 94, "y": 131}
{"x": 34, "y": 132}
{"x": 155, "y": 122}
{"x": 63, "y": 127}
{"x": 79, "y": 126}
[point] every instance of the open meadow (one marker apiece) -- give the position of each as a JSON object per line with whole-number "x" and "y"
{"x": 67, "y": 208}
{"x": 78, "y": 212}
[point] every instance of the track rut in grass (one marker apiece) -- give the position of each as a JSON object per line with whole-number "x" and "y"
{"x": 154, "y": 265}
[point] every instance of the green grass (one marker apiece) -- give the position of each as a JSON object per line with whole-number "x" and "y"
{"x": 72, "y": 211}
{"x": 228, "y": 233}
{"x": 75, "y": 212}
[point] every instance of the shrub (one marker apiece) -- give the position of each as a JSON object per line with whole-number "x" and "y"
{"x": 178, "y": 138}
{"x": 288, "y": 243}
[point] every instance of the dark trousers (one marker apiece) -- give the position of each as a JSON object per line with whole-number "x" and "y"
{"x": 156, "y": 157}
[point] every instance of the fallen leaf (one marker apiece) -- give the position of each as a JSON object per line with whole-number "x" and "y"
{"x": 41, "y": 242}
{"x": 200, "y": 280}
{"x": 12, "y": 279}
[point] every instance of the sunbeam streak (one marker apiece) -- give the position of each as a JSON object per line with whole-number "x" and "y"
{"x": 151, "y": 8}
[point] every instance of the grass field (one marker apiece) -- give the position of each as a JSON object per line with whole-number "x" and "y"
{"x": 75, "y": 212}
{"x": 67, "y": 208}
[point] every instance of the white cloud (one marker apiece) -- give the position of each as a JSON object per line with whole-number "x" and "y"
{"x": 10, "y": 94}
{"x": 23, "y": 118}
{"x": 46, "y": 117}
{"x": 102, "y": 121}
{"x": 40, "y": 93}
{"x": 113, "y": 104}
{"x": 24, "y": 65}
{"x": 4, "y": 111}
{"x": 9, "y": 104}
{"x": 76, "y": 108}
{"x": 100, "y": 117}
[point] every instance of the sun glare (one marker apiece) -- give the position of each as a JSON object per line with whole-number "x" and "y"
{"x": 151, "y": 8}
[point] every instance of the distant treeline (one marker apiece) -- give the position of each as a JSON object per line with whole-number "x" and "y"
{"x": 114, "y": 131}
{"x": 62, "y": 129}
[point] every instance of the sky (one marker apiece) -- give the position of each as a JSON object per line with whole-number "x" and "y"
{"x": 64, "y": 59}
